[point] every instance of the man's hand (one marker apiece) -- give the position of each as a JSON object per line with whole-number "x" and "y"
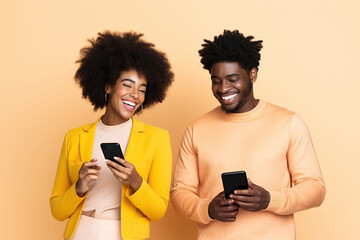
{"x": 223, "y": 209}
{"x": 253, "y": 199}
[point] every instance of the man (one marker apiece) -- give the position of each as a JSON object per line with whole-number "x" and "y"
{"x": 270, "y": 143}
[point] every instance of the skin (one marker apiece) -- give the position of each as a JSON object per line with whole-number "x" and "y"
{"x": 253, "y": 199}
{"x": 232, "y": 87}
{"x": 229, "y": 79}
{"x": 124, "y": 99}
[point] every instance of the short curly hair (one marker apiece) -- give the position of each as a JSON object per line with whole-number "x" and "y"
{"x": 231, "y": 46}
{"x": 111, "y": 53}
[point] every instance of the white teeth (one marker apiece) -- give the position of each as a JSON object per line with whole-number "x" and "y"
{"x": 129, "y": 103}
{"x": 229, "y": 97}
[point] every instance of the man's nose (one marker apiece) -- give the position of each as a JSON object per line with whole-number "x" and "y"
{"x": 224, "y": 87}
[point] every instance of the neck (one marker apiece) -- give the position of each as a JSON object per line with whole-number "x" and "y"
{"x": 248, "y": 106}
{"x": 111, "y": 119}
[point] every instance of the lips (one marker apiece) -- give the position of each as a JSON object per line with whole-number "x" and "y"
{"x": 129, "y": 105}
{"x": 228, "y": 98}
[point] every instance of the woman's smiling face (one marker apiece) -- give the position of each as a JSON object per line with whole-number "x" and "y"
{"x": 126, "y": 96}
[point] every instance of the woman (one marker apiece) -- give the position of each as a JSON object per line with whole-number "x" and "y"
{"x": 103, "y": 199}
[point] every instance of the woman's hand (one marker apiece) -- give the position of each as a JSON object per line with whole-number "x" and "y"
{"x": 126, "y": 174}
{"x": 88, "y": 173}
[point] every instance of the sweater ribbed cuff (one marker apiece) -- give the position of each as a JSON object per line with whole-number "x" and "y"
{"x": 204, "y": 211}
{"x": 276, "y": 201}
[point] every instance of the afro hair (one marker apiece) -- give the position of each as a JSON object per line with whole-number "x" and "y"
{"x": 231, "y": 46}
{"x": 111, "y": 53}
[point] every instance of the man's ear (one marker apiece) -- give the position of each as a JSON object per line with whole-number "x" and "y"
{"x": 253, "y": 75}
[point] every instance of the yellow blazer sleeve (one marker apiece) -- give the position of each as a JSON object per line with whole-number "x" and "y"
{"x": 153, "y": 195}
{"x": 64, "y": 200}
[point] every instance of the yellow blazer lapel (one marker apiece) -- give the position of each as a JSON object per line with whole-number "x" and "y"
{"x": 135, "y": 140}
{"x": 87, "y": 141}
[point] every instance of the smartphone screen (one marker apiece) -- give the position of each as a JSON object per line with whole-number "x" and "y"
{"x": 111, "y": 150}
{"x": 234, "y": 180}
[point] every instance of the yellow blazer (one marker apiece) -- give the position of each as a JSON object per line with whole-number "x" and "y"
{"x": 148, "y": 149}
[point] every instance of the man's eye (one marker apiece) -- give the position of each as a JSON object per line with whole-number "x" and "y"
{"x": 234, "y": 79}
{"x": 127, "y": 85}
{"x": 215, "y": 82}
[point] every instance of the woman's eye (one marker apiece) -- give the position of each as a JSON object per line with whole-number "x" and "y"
{"x": 127, "y": 85}
{"x": 143, "y": 91}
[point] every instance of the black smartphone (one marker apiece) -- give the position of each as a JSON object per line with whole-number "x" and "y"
{"x": 234, "y": 180}
{"x": 111, "y": 150}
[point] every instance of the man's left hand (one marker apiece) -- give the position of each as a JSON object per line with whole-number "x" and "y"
{"x": 253, "y": 199}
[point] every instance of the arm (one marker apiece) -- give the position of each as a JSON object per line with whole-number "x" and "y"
{"x": 184, "y": 192}
{"x": 152, "y": 197}
{"x": 64, "y": 200}
{"x": 308, "y": 185}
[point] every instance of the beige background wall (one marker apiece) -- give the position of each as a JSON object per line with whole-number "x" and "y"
{"x": 310, "y": 64}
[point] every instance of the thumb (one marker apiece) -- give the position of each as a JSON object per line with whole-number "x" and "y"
{"x": 251, "y": 184}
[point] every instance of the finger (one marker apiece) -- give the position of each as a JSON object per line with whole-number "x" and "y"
{"x": 242, "y": 198}
{"x": 228, "y": 216}
{"x": 91, "y": 163}
{"x": 251, "y": 184}
{"x": 244, "y": 192}
{"x": 120, "y": 175}
{"x": 248, "y": 206}
{"x": 114, "y": 165}
{"x": 123, "y": 162}
{"x": 226, "y": 202}
{"x": 95, "y": 167}
{"x": 92, "y": 171}
{"x": 91, "y": 177}
{"x": 221, "y": 195}
{"x": 228, "y": 209}
{"x": 89, "y": 171}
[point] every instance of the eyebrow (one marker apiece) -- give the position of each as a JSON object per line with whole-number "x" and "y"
{"x": 230, "y": 75}
{"x": 130, "y": 80}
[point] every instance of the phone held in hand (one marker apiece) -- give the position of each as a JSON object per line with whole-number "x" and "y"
{"x": 111, "y": 150}
{"x": 234, "y": 180}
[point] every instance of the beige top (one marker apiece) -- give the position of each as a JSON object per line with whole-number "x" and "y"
{"x": 104, "y": 195}
{"x": 273, "y": 146}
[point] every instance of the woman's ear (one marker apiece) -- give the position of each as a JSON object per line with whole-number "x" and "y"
{"x": 253, "y": 75}
{"x": 107, "y": 89}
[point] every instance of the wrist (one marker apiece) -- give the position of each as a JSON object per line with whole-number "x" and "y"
{"x": 79, "y": 191}
{"x": 210, "y": 214}
{"x": 136, "y": 185}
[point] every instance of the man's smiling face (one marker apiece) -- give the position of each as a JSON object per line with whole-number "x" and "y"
{"x": 232, "y": 86}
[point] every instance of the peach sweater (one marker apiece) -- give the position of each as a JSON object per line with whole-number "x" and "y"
{"x": 273, "y": 146}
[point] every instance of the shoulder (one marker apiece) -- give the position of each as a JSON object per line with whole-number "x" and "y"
{"x": 283, "y": 115}
{"x": 75, "y": 132}
{"x": 278, "y": 111}
{"x": 206, "y": 119}
{"x": 147, "y": 128}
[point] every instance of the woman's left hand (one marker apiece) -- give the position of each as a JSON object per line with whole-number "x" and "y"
{"x": 126, "y": 174}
